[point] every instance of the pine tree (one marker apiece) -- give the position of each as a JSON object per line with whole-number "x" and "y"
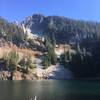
{"x": 13, "y": 58}
{"x": 46, "y": 62}
{"x": 50, "y": 51}
{"x": 53, "y": 40}
{"x": 53, "y": 56}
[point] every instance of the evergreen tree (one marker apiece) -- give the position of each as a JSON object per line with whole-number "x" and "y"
{"x": 11, "y": 60}
{"x": 66, "y": 57}
{"x": 46, "y": 62}
{"x": 53, "y": 40}
{"x": 51, "y": 57}
{"x": 13, "y": 57}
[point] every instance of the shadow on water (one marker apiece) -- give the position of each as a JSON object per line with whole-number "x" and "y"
{"x": 50, "y": 90}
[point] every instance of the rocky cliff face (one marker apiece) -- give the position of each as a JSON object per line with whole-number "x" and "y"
{"x": 35, "y": 23}
{"x": 64, "y": 29}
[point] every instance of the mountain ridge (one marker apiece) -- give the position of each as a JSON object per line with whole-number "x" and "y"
{"x": 62, "y": 27}
{"x": 52, "y": 39}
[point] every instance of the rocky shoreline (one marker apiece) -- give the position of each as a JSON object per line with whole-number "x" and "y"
{"x": 52, "y": 72}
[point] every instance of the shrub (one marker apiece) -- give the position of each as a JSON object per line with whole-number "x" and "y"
{"x": 11, "y": 60}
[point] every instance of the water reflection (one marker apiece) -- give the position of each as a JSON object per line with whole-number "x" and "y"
{"x": 49, "y": 90}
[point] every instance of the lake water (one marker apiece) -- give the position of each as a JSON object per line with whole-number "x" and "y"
{"x": 50, "y": 90}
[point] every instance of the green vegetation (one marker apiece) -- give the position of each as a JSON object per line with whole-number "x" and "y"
{"x": 11, "y": 60}
{"x": 81, "y": 63}
{"x": 85, "y": 62}
{"x": 46, "y": 62}
{"x": 64, "y": 28}
{"x": 50, "y": 57}
{"x": 25, "y": 64}
{"x": 66, "y": 58}
{"x": 11, "y": 32}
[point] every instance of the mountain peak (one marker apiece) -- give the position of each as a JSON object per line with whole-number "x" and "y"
{"x": 63, "y": 28}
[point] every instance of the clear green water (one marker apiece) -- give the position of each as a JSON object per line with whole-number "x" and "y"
{"x": 50, "y": 90}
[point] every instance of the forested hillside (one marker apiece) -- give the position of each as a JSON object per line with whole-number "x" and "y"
{"x": 74, "y": 44}
{"x": 11, "y": 32}
{"x": 14, "y": 33}
{"x": 64, "y": 29}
